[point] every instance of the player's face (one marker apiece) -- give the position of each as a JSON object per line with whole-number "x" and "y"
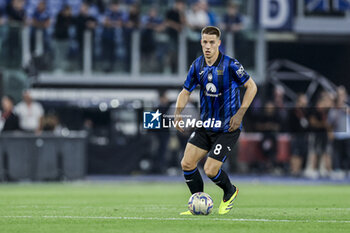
{"x": 210, "y": 45}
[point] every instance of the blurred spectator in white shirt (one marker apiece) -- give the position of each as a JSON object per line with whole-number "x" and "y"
{"x": 339, "y": 119}
{"x": 197, "y": 18}
{"x": 211, "y": 15}
{"x": 29, "y": 113}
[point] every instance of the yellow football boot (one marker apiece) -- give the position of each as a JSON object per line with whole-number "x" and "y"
{"x": 226, "y": 206}
{"x": 186, "y": 213}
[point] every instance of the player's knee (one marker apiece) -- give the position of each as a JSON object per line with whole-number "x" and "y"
{"x": 210, "y": 171}
{"x": 187, "y": 166}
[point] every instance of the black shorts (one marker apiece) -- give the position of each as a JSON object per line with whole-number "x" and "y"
{"x": 218, "y": 144}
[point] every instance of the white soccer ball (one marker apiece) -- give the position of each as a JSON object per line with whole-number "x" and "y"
{"x": 200, "y": 204}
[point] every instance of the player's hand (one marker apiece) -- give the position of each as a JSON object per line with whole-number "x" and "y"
{"x": 235, "y": 122}
{"x": 177, "y": 120}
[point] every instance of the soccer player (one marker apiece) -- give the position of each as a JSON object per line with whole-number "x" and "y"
{"x": 219, "y": 78}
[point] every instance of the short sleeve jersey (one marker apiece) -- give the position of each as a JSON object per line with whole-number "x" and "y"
{"x": 219, "y": 88}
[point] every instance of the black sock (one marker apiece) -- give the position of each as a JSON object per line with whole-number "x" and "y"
{"x": 194, "y": 180}
{"x": 222, "y": 180}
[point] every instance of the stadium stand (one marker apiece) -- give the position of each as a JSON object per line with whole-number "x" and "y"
{"x": 106, "y": 67}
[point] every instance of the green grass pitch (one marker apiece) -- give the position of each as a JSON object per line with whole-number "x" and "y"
{"x": 83, "y": 207}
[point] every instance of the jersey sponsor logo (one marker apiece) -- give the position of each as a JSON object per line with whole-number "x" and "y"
{"x": 200, "y": 73}
{"x": 210, "y": 88}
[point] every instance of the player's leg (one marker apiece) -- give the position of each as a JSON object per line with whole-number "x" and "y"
{"x": 197, "y": 147}
{"x": 222, "y": 148}
{"x": 192, "y": 156}
{"x": 193, "y": 178}
{"x": 212, "y": 169}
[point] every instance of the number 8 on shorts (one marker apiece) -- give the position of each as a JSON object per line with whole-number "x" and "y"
{"x": 217, "y": 149}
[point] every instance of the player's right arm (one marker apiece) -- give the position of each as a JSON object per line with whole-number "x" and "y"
{"x": 183, "y": 97}
{"x": 181, "y": 102}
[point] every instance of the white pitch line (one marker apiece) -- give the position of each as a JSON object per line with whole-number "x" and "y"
{"x": 184, "y": 219}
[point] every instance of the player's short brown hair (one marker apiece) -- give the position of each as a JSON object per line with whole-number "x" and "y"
{"x": 211, "y": 30}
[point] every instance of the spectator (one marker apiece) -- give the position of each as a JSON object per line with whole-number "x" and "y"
{"x": 253, "y": 113}
{"x": 8, "y": 121}
{"x": 40, "y": 23}
{"x": 3, "y": 4}
{"x": 2, "y": 28}
{"x": 299, "y": 126}
{"x": 49, "y": 123}
{"x": 133, "y": 20}
{"x": 232, "y": 24}
{"x": 16, "y": 12}
{"x": 152, "y": 41}
{"x": 29, "y": 113}
{"x": 16, "y": 19}
{"x": 232, "y": 20}
{"x": 75, "y": 6}
{"x": 269, "y": 125}
{"x": 113, "y": 45}
{"x": 211, "y": 14}
{"x": 132, "y": 23}
{"x": 151, "y": 24}
{"x": 63, "y": 22}
{"x": 2, "y": 15}
{"x": 174, "y": 21}
{"x": 319, "y": 137}
{"x": 339, "y": 119}
{"x": 197, "y": 18}
{"x": 279, "y": 102}
{"x": 84, "y": 22}
{"x": 100, "y": 4}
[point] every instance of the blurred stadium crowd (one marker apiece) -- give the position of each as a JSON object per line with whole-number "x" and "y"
{"x": 318, "y": 131}
{"x": 62, "y": 25}
{"x": 300, "y": 137}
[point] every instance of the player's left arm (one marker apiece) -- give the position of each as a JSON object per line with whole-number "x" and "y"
{"x": 249, "y": 95}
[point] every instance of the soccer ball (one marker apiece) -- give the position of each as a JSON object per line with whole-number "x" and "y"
{"x": 200, "y": 204}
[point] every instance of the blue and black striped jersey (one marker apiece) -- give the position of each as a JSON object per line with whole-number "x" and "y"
{"x": 219, "y": 88}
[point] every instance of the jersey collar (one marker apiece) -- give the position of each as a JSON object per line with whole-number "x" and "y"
{"x": 216, "y": 63}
